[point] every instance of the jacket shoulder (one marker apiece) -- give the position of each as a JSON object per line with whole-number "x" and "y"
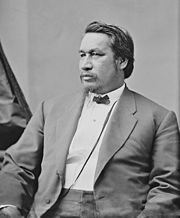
{"x": 151, "y": 110}
{"x": 144, "y": 102}
{"x": 58, "y": 103}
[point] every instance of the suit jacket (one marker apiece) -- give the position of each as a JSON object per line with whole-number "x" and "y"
{"x": 137, "y": 171}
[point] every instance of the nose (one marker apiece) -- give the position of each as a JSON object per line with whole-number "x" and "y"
{"x": 86, "y": 64}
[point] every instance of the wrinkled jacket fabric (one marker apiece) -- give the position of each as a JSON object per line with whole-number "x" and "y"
{"x": 137, "y": 171}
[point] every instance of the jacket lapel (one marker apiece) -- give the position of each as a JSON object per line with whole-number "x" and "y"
{"x": 120, "y": 126}
{"x": 66, "y": 127}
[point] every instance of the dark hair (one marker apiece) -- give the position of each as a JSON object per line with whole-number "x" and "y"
{"x": 121, "y": 42}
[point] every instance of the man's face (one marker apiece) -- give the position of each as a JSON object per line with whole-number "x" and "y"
{"x": 99, "y": 71}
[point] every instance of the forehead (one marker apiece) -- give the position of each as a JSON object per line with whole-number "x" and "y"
{"x": 95, "y": 41}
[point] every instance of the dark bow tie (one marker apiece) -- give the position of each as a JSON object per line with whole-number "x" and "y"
{"x": 101, "y": 100}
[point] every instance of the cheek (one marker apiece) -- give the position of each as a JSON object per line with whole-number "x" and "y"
{"x": 107, "y": 69}
{"x": 80, "y": 64}
{"x": 101, "y": 68}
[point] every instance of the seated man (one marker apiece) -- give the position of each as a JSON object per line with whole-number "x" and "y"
{"x": 105, "y": 152}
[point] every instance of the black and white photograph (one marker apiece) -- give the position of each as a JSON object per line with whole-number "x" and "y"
{"x": 89, "y": 109}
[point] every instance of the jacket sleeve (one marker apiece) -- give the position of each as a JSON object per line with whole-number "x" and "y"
{"x": 21, "y": 166}
{"x": 163, "y": 199}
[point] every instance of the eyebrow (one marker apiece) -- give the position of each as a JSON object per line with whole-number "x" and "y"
{"x": 91, "y": 50}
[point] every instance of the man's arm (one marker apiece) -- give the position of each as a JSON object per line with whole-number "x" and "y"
{"x": 21, "y": 166}
{"x": 163, "y": 199}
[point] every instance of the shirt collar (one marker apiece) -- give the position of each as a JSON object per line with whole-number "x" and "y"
{"x": 113, "y": 95}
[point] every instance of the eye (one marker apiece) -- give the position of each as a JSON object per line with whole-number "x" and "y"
{"x": 82, "y": 54}
{"x": 96, "y": 54}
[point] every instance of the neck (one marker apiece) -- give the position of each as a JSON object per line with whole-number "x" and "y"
{"x": 102, "y": 92}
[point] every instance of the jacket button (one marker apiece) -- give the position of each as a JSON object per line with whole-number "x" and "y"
{"x": 48, "y": 201}
{"x": 58, "y": 173}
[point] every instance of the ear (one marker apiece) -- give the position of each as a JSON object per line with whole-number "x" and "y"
{"x": 123, "y": 63}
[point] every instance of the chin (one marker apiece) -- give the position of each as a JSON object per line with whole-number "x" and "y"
{"x": 89, "y": 88}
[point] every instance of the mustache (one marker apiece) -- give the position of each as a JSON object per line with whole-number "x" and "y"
{"x": 92, "y": 75}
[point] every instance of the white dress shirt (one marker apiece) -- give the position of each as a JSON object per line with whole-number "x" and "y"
{"x": 90, "y": 130}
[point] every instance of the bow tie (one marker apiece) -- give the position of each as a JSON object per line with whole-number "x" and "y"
{"x": 101, "y": 100}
